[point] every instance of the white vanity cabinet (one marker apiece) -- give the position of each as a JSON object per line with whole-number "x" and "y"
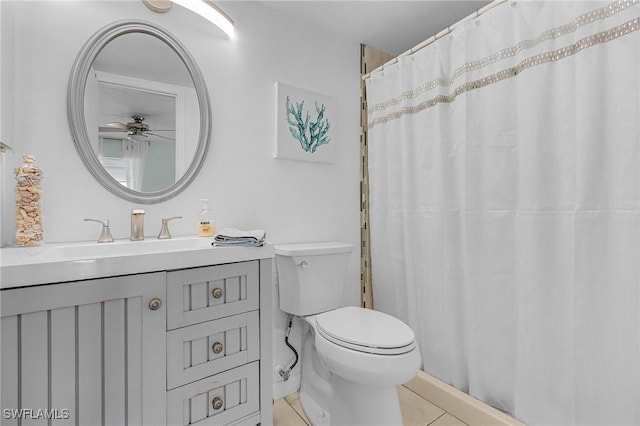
{"x": 185, "y": 343}
{"x": 87, "y": 350}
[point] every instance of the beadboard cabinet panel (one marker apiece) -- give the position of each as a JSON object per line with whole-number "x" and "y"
{"x": 34, "y": 362}
{"x": 216, "y": 400}
{"x": 89, "y": 363}
{"x": 202, "y": 294}
{"x": 9, "y": 365}
{"x": 212, "y": 347}
{"x": 94, "y": 348}
{"x": 63, "y": 367}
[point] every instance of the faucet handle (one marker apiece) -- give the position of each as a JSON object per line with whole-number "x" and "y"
{"x": 105, "y": 235}
{"x": 164, "y": 231}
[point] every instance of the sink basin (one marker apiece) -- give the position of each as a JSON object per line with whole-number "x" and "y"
{"x": 126, "y": 247}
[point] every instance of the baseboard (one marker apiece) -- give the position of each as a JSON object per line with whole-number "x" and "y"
{"x": 459, "y": 404}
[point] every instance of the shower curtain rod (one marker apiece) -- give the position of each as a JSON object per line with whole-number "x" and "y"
{"x": 439, "y": 35}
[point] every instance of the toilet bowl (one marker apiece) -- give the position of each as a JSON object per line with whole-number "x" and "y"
{"x": 367, "y": 346}
{"x": 353, "y": 359}
{"x": 369, "y": 354}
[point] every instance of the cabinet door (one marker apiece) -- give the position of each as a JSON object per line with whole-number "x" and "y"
{"x": 88, "y": 352}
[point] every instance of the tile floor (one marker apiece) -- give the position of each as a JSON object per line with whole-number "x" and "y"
{"x": 416, "y": 411}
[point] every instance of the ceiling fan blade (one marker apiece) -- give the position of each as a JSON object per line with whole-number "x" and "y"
{"x": 160, "y": 136}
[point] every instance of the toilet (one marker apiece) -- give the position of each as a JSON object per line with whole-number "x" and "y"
{"x": 352, "y": 358}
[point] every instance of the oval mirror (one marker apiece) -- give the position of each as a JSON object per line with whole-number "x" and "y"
{"x": 139, "y": 111}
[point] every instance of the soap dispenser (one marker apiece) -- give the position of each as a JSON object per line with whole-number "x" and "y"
{"x": 206, "y": 226}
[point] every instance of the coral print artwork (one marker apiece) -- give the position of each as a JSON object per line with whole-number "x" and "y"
{"x": 310, "y": 134}
{"x": 305, "y": 128}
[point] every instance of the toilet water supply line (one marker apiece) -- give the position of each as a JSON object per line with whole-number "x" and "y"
{"x": 285, "y": 374}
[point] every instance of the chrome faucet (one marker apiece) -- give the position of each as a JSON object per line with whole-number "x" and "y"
{"x": 164, "y": 231}
{"x": 105, "y": 235}
{"x": 137, "y": 225}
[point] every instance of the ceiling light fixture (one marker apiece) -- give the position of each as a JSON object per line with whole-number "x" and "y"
{"x": 158, "y": 6}
{"x": 204, "y": 8}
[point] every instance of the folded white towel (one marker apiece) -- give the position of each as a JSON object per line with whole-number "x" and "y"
{"x": 231, "y": 236}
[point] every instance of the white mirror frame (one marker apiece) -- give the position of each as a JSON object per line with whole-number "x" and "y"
{"x": 76, "y": 113}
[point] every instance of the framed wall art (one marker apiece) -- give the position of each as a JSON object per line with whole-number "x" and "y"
{"x": 305, "y": 125}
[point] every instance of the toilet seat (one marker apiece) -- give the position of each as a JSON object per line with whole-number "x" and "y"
{"x": 366, "y": 330}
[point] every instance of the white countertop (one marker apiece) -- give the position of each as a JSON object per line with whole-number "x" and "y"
{"x": 53, "y": 263}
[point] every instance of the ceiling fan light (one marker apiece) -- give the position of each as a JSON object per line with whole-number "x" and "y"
{"x": 211, "y": 12}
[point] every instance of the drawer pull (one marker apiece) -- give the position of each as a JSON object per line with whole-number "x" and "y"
{"x": 217, "y": 293}
{"x": 155, "y": 304}
{"x": 217, "y": 403}
{"x": 217, "y": 347}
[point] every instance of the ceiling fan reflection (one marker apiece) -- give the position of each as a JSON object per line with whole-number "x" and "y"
{"x": 133, "y": 128}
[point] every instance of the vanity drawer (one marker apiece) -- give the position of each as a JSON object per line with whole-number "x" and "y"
{"x": 202, "y": 294}
{"x": 209, "y": 348}
{"x": 236, "y": 391}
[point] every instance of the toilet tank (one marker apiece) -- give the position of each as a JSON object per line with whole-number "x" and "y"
{"x": 311, "y": 276}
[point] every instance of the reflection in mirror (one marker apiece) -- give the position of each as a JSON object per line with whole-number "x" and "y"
{"x": 139, "y": 111}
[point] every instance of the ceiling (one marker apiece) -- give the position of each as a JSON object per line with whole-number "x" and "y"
{"x": 391, "y": 26}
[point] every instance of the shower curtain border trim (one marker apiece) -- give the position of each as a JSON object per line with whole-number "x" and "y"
{"x": 550, "y": 34}
{"x": 533, "y": 61}
{"x": 445, "y": 32}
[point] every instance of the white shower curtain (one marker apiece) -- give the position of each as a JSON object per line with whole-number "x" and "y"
{"x": 136, "y": 150}
{"x": 504, "y": 165}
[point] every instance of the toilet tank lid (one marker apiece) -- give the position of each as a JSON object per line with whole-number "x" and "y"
{"x": 313, "y": 249}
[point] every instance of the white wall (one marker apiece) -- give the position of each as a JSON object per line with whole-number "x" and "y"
{"x": 6, "y": 100}
{"x": 248, "y": 189}
{"x": 2, "y": 160}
